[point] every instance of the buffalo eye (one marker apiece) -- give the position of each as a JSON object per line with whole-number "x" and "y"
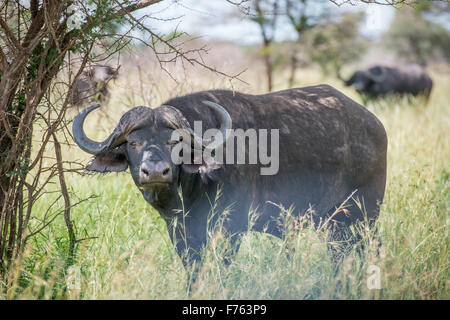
{"x": 133, "y": 144}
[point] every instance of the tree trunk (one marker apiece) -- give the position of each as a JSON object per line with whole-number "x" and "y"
{"x": 293, "y": 69}
{"x": 10, "y": 174}
{"x": 268, "y": 65}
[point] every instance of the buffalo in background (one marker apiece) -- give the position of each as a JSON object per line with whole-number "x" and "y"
{"x": 379, "y": 81}
{"x": 92, "y": 85}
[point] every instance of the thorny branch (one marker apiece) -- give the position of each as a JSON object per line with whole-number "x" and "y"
{"x": 36, "y": 81}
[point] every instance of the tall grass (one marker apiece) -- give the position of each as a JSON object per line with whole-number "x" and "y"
{"x": 127, "y": 253}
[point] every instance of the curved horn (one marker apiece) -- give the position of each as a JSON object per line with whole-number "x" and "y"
{"x": 225, "y": 125}
{"x": 83, "y": 141}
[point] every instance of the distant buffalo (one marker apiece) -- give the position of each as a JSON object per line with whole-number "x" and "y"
{"x": 328, "y": 150}
{"x": 379, "y": 81}
{"x": 92, "y": 85}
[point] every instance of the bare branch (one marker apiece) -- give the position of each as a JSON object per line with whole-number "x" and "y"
{"x": 379, "y": 2}
{"x": 177, "y": 52}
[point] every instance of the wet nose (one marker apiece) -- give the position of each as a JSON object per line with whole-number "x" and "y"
{"x": 155, "y": 171}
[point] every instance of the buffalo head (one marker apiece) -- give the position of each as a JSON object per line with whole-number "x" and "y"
{"x": 143, "y": 141}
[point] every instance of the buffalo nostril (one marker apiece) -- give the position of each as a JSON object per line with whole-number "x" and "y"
{"x": 166, "y": 171}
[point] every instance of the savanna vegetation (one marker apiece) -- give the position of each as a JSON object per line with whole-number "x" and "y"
{"x": 128, "y": 254}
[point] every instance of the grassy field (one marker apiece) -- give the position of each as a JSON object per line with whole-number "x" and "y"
{"x": 130, "y": 255}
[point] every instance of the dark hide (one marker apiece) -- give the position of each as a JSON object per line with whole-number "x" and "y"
{"x": 329, "y": 146}
{"x": 380, "y": 81}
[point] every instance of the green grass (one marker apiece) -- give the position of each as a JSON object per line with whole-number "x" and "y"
{"x": 128, "y": 254}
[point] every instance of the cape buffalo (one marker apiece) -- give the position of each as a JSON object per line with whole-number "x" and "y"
{"x": 330, "y": 148}
{"x": 380, "y": 81}
{"x": 92, "y": 85}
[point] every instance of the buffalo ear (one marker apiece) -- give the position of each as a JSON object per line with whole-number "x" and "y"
{"x": 350, "y": 81}
{"x": 109, "y": 161}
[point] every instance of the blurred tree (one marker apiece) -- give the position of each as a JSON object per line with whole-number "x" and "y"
{"x": 302, "y": 20}
{"x": 415, "y": 38}
{"x": 337, "y": 42}
{"x": 265, "y": 13}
